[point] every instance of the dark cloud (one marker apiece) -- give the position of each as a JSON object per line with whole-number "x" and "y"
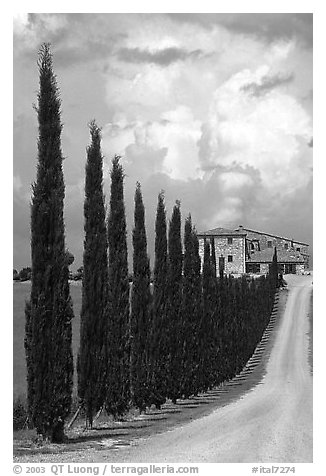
{"x": 267, "y": 83}
{"x": 160, "y": 57}
{"x": 76, "y": 37}
{"x": 291, "y": 217}
{"x": 270, "y": 26}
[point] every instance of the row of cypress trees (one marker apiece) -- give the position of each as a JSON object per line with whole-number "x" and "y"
{"x": 138, "y": 346}
{"x": 193, "y": 331}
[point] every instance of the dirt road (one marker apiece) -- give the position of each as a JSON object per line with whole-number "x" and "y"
{"x": 271, "y": 423}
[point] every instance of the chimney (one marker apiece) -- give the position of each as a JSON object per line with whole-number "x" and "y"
{"x": 240, "y": 228}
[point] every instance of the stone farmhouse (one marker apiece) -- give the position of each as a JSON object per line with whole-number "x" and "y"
{"x": 243, "y": 250}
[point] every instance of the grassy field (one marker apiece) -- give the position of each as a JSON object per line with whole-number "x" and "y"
{"x": 21, "y": 292}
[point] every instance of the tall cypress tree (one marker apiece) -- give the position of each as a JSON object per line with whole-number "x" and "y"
{"x": 175, "y": 332}
{"x": 118, "y": 376}
{"x": 206, "y": 327}
{"x": 140, "y": 308}
{"x": 197, "y": 290}
{"x": 216, "y": 317}
{"x": 49, "y": 311}
{"x": 158, "y": 335}
{"x": 93, "y": 319}
{"x": 190, "y": 310}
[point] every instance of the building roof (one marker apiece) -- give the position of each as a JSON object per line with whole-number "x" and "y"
{"x": 283, "y": 256}
{"x": 273, "y": 236}
{"x": 242, "y": 231}
{"x": 222, "y": 232}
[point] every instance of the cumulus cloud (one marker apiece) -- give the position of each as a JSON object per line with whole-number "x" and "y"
{"x": 261, "y": 131}
{"x": 168, "y": 145}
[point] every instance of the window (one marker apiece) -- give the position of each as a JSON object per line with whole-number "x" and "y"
{"x": 298, "y": 249}
{"x": 230, "y": 241}
{"x": 269, "y": 244}
{"x": 253, "y": 268}
{"x": 230, "y": 258}
{"x": 286, "y": 246}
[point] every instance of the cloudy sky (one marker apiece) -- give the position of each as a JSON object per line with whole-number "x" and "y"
{"x": 215, "y": 109}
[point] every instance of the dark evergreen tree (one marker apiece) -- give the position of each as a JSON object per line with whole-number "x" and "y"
{"x": 159, "y": 330}
{"x": 118, "y": 376}
{"x": 216, "y": 317}
{"x": 49, "y": 311}
{"x": 274, "y": 270}
{"x": 213, "y": 255}
{"x": 198, "y": 311}
{"x": 208, "y": 345}
{"x": 91, "y": 364}
{"x": 174, "y": 303}
{"x": 191, "y": 300}
{"x": 243, "y": 318}
{"x": 140, "y": 309}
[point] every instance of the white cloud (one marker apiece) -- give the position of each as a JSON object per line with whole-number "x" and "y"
{"x": 173, "y": 138}
{"x": 268, "y": 132}
{"x": 235, "y": 180}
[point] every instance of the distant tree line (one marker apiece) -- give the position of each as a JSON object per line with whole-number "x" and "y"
{"x": 139, "y": 345}
{"x": 24, "y": 274}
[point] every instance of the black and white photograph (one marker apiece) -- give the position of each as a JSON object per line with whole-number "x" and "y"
{"x": 162, "y": 242}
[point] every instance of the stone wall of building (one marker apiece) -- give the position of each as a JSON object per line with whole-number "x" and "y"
{"x": 299, "y": 268}
{"x": 236, "y": 250}
{"x": 269, "y": 241}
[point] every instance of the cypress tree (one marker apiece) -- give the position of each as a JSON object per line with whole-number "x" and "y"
{"x": 190, "y": 310}
{"x": 159, "y": 331}
{"x": 243, "y": 314}
{"x": 274, "y": 270}
{"x": 197, "y": 290}
{"x": 207, "y": 328}
{"x": 213, "y": 255}
{"x": 93, "y": 319}
{"x": 140, "y": 308}
{"x": 175, "y": 331}
{"x": 49, "y": 311}
{"x": 118, "y": 376}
